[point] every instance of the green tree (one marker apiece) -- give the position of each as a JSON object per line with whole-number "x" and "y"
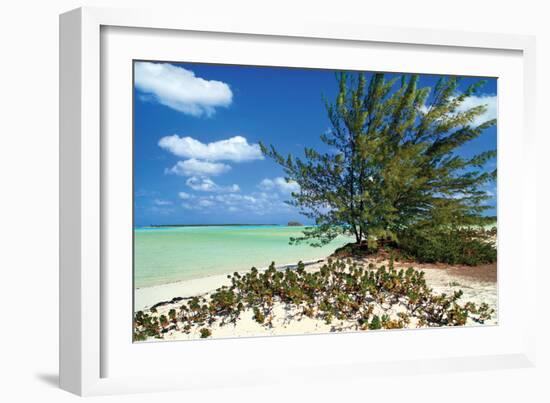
{"x": 392, "y": 164}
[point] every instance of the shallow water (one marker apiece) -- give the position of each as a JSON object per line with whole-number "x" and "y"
{"x": 168, "y": 254}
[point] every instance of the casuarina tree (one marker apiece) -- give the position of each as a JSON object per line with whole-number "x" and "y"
{"x": 391, "y": 163}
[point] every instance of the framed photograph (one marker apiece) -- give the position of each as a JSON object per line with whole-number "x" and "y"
{"x": 245, "y": 201}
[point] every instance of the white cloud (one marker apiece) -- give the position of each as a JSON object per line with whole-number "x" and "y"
{"x": 160, "y": 202}
{"x": 194, "y": 167}
{"x": 234, "y": 149}
{"x": 490, "y": 101}
{"x": 279, "y": 184}
{"x": 145, "y": 193}
{"x": 180, "y": 89}
{"x": 491, "y": 191}
{"x": 258, "y": 203}
{"x": 205, "y": 203}
{"x": 203, "y": 184}
{"x": 162, "y": 210}
{"x": 185, "y": 196}
{"x": 235, "y": 199}
{"x": 266, "y": 184}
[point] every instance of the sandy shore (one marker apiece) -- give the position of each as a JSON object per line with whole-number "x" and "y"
{"x": 478, "y": 285}
{"x": 146, "y": 297}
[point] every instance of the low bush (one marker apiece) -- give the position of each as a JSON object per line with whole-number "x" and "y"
{"x": 205, "y": 333}
{"x": 340, "y": 290}
{"x": 354, "y": 250}
{"x": 468, "y": 246}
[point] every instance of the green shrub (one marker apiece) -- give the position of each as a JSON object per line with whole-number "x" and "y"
{"x": 163, "y": 321}
{"x": 146, "y": 326}
{"x": 468, "y": 246}
{"x": 258, "y": 316}
{"x": 172, "y": 315}
{"x": 375, "y": 324}
{"x": 355, "y": 250}
{"x": 205, "y": 333}
{"x": 339, "y": 290}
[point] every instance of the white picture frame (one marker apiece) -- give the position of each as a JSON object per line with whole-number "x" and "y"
{"x": 84, "y": 302}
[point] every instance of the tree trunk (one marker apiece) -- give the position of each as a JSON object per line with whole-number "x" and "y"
{"x": 357, "y": 235}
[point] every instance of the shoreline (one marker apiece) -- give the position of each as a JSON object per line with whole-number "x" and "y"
{"x": 146, "y": 297}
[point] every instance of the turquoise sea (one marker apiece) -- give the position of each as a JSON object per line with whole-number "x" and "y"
{"x": 168, "y": 254}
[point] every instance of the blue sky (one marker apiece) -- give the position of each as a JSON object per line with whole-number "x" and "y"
{"x": 196, "y": 134}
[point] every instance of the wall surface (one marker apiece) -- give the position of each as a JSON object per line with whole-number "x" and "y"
{"x": 29, "y": 201}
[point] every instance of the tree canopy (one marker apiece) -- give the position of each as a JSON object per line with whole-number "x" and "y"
{"x": 392, "y": 161}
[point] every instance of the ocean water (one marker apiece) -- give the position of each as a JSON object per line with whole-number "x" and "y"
{"x": 169, "y": 254}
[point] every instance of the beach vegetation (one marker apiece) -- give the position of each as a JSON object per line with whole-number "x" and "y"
{"x": 172, "y": 315}
{"x": 375, "y": 323}
{"x": 146, "y": 326}
{"x": 469, "y": 246}
{"x": 342, "y": 292}
{"x": 163, "y": 321}
{"x": 258, "y": 315}
{"x": 205, "y": 333}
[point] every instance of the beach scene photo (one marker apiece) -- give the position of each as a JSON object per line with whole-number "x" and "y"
{"x": 279, "y": 201}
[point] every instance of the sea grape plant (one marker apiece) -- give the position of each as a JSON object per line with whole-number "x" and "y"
{"x": 369, "y": 298}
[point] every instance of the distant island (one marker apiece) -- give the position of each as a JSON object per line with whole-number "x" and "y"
{"x": 295, "y": 224}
